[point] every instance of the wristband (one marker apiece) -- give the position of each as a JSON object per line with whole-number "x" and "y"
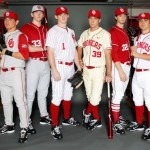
{"x": 9, "y": 53}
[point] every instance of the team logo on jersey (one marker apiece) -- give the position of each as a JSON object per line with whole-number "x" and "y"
{"x": 24, "y": 46}
{"x": 62, "y": 8}
{"x": 73, "y": 37}
{"x": 93, "y": 12}
{"x": 11, "y": 43}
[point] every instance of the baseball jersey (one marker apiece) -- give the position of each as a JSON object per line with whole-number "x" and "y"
{"x": 36, "y": 37}
{"x": 120, "y": 45}
{"x": 94, "y": 44}
{"x": 143, "y": 47}
{"x": 63, "y": 42}
{"x": 16, "y": 42}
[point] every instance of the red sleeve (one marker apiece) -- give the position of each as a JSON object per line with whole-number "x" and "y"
{"x": 23, "y": 46}
{"x": 115, "y": 46}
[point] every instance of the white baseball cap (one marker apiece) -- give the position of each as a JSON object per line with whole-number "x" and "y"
{"x": 37, "y": 8}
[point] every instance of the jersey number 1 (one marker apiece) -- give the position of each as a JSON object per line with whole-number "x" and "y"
{"x": 63, "y": 46}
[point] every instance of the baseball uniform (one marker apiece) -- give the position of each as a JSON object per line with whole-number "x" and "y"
{"x": 37, "y": 70}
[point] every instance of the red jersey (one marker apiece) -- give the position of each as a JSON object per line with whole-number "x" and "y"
{"x": 120, "y": 45}
{"x": 36, "y": 37}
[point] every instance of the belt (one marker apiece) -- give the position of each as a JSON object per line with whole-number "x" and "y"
{"x": 65, "y": 63}
{"x": 126, "y": 63}
{"x": 140, "y": 70}
{"x": 8, "y": 69}
{"x": 41, "y": 58}
{"x": 92, "y": 67}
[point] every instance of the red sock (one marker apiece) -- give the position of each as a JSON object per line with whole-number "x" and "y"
{"x": 54, "y": 114}
{"x": 139, "y": 110}
{"x": 89, "y": 108}
{"x": 95, "y": 112}
{"x": 66, "y": 106}
{"x": 149, "y": 118}
{"x": 115, "y": 115}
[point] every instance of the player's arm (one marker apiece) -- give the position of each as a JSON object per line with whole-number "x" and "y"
{"x": 80, "y": 53}
{"x": 35, "y": 48}
{"x": 23, "y": 52}
{"x": 51, "y": 59}
{"x": 138, "y": 55}
{"x": 108, "y": 65}
{"x": 77, "y": 62}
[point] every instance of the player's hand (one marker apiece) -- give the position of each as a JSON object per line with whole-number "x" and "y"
{"x": 123, "y": 76}
{"x": 81, "y": 63}
{"x": 56, "y": 75}
{"x": 134, "y": 51}
{"x": 108, "y": 78}
{"x": 3, "y": 51}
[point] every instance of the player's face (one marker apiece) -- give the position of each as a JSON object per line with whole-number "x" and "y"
{"x": 10, "y": 24}
{"x": 121, "y": 19}
{"x": 94, "y": 22}
{"x": 62, "y": 18}
{"x": 144, "y": 24}
{"x": 37, "y": 15}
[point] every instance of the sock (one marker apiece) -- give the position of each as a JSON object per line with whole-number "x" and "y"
{"x": 149, "y": 118}
{"x": 66, "y": 106}
{"x": 95, "y": 112}
{"x": 115, "y": 112}
{"x": 54, "y": 114}
{"x": 89, "y": 108}
{"x": 139, "y": 110}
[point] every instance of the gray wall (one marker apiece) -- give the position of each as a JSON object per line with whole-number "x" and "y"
{"x": 78, "y": 15}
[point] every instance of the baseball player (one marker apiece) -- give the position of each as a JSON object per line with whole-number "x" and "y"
{"x": 120, "y": 66}
{"x": 38, "y": 70}
{"x": 140, "y": 82}
{"x": 62, "y": 53}
{"x": 95, "y": 44}
{"x": 12, "y": 77}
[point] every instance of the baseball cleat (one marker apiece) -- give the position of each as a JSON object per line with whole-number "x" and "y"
{"x": 146, "y": 134}
{"x": 70, "y": 121}
{"x": 7, "y": 129}
{"x": 45, "y": 120}
{"x": 31, "y": 129}
{"x": 134, "y": 126}
{"x": 56, "y": 133}
{"x": 124, "y": 121}
{"x": 23, "y": 135}
{"x": 86, "y": 119}
{"x": 118, "y": 128}
{"x": 93, "y": 124}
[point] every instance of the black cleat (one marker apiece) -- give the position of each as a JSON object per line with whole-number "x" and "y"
{"x": 134, "y": 126}
{"x": 146, "y": 134}
{"x": 31, "y": 129}
{"x": 7, "y": 129}
{"x": 93, "y": 124}
{"x": 56, "y": 133}
{"x": 45, "y": 120}
{"x": 118, "y": 128}
{"x": 86, "y": 119}
{"x": 70, "y": 121}
{"x": 23, "y": 135}
{"x": 124, "y": 121}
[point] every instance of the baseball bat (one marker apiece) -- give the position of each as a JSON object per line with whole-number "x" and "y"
{"x": 110, "y": 131}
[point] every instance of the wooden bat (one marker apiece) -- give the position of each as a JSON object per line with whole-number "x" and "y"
{"x": 110, "y": 130}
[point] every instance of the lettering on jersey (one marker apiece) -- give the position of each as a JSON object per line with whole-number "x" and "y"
{"x": 125, "y": 47}
{"x": 92, "y": 43}
{"x": 36, "y": 43}
{"x": 63, "y": 46}
{"x": 96, "y": 54}
{"x": 11, "y": 43}
{"x": 144, "y": 46}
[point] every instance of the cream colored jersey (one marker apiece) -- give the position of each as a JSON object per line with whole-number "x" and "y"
{"x": 94, "y": 45}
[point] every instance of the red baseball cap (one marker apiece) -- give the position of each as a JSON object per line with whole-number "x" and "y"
{"x": 120, "y": 11}
{"x": 60, "y": 10}
{"x": 11, "y": 14}
{"x": 94, "y": 13}
{"x": 144, "y": 16}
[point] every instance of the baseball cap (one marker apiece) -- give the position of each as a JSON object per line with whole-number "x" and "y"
{"x": 60, "y": 10}
{"x": 11, "y": 14}
{"x": 94, "y": 13}
{"x": 120, "y": 11}
{"x": 37, "y": 8}
{"x": 144, "y": 16}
